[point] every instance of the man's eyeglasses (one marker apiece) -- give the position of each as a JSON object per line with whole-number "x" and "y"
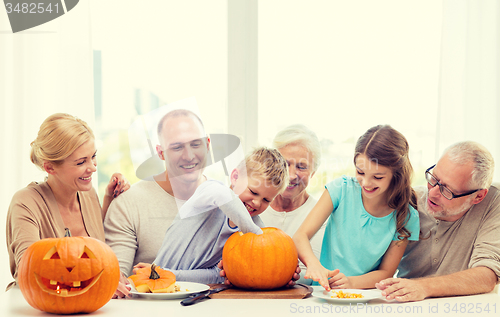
{"x": 448, "y": 194}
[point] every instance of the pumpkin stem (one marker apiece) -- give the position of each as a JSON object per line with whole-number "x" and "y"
{"x": 68, "y": 233}
{"x": 154, "y": 275}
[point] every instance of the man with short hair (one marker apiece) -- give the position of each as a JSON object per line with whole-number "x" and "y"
{"x": 136, "y": 223}
{"x": 459, "y": 249}
{"x": 184, "y": 146}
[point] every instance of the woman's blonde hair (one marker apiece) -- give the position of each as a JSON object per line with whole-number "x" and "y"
{"x": 386, "y": 146}
{"x": 267, "y": 164}
{"x": 59, "y": 136}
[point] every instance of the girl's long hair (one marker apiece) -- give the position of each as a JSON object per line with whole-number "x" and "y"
{"x": 385, "y": 146}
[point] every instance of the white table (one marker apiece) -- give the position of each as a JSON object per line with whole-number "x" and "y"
{"x": 12, "y": 303}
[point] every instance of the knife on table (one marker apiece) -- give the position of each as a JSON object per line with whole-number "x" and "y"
{"x": 199, "y": 296}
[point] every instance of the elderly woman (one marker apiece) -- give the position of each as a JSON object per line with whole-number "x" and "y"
{"x": 301, "y": 149}
{"x": 65, "y": 149}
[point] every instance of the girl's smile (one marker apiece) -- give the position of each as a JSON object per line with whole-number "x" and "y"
{"x": 375, "y": 180}
{"x": 370, "y": 191}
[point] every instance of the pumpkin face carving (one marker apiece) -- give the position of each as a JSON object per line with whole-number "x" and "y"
{"x": 68, "y": 275}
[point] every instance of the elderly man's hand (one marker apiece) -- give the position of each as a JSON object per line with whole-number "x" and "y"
{"x": 402, "y": 290}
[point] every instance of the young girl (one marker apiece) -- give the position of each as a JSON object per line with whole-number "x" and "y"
{"x": 370, "y": 217}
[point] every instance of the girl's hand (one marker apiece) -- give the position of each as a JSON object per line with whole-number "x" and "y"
{"x": 140, "y": 265}
{"x": 117, "y": 185}
{"x": 321, "y": 275}
{"x": 340, "y": 281}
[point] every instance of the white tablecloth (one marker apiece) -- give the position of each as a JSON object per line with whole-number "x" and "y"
{"x": 13, "y": 304}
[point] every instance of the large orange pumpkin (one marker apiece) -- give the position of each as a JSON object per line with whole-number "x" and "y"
{"x": 68, "y": 275}
{"x": 264, "y": 261}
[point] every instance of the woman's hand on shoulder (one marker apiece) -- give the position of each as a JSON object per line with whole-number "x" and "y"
{"x": 117, "y": 185}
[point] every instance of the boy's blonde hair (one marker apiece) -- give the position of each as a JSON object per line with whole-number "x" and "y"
{"x": 268, "y": 164}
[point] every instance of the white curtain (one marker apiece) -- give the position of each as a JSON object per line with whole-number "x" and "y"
{"x": 43, "y": 70}
{"x": 469, "y": 104}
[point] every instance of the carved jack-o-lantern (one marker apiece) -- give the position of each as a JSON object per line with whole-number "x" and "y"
{"x": 68, "y": 275}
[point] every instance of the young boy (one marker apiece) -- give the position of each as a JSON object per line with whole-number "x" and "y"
{"x": 193, "y": 244}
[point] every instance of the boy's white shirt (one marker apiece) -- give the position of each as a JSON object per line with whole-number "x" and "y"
{"x": 192, "y": 247}
{"x": 225, "y": 199}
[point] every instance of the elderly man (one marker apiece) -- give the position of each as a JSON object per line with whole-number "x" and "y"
{"x": 459, "y": 249}
{"x": 136, "y": 223}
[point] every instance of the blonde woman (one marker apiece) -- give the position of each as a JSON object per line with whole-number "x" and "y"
{"x": 65, "y": 149}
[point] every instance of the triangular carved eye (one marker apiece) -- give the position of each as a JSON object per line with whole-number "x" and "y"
{"x": 87, "y": 254}
{"x": 52, "y": 254}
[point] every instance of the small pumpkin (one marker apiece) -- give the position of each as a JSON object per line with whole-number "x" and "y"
{"x": 68, "y": 275}
{"x": 265, "y": 261}
{"x": 153, "y": 279}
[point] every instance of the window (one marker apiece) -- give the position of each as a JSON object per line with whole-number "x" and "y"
{"x": 147, "y": 54}
{"x": 341, "y": 67}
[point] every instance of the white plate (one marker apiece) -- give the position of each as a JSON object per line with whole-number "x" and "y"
{"x": 368, "y": 294}
{"x": 187, "y": 288}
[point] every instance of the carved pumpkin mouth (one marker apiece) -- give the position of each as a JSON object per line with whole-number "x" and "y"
{"x": 66, "y": 289}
